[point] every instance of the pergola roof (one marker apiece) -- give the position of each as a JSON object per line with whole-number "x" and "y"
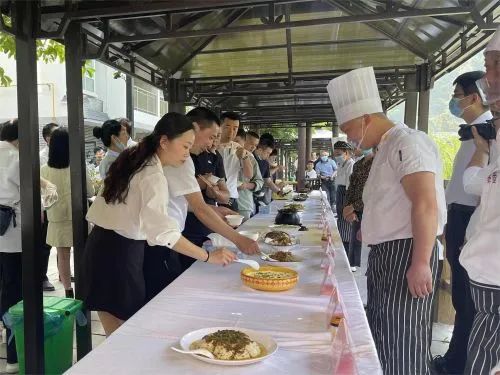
{"x": 272, "y": 60}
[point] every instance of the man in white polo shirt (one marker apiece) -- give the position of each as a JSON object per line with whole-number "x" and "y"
{"x": 404, "y": 212}
{"x": 235, "y": 157}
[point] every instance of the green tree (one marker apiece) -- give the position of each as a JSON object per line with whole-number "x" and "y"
{"x": 47, "y": 50}
{"x": 448, "y": 145}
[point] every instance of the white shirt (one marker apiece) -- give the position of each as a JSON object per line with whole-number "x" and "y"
{"x": 232, "y": 166}
{"x": 10, "y": 195}
{"x": 106, "y": 162}
{"x": 455, "y": 192}
{"x": 44, "y": 155}
{"x": 344, "y": 172}
{"x": 144, "y": 215}
{"x": 181, "y": 181}
{"x": 473, "y": 184}
{"x": 387, "y": 211}
{"x": 311, "y": 174}
{"x": 480, "y": 256}
{"x": 131, "y": 142}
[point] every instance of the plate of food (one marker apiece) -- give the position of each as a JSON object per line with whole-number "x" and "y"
{"x": 269, "y": 278}
{"x": 290, "y": 229}
{"x": 297, "y": 207}
{"x": 280, "y": 240}
{"x": 230, "y": 346}
{"x": 283, "y": 259}
{"x": 301, "y": 197}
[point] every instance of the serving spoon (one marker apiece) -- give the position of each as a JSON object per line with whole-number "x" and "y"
{"x": 249, "y": 262}
{"x": 203, "y": 352}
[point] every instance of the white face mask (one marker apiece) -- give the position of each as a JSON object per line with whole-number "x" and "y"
{"x": 357, "y": 144}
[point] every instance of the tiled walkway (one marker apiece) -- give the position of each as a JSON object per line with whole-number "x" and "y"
{"x": 441, "y": 332}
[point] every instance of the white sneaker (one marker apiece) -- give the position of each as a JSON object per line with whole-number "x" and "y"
{"x": 4, "y": 336}
{"x": 12, "y": 368}
{"x": 353, "y": 269}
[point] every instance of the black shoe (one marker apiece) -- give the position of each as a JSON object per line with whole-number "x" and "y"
{"x": 69, "y": 293}
{"x": 439, "y": 366}
{"x": 47, "y": 286}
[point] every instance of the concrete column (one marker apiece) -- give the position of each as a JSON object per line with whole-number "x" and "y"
{"x": 175, "y": 97}
{"x": 423, "y": 110}
{"x": 411, "y": 104}
{"x": 308, "y": 141}
{"x": 335, "y": 130}
{"x": 301, "y": 173}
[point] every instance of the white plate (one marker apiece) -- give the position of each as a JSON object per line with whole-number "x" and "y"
{"x": 290, "y": 229}
{"x": 260, "y": 337}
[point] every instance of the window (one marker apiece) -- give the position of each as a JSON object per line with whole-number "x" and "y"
{"x": 145, "y": 98}
{"x": 87, "y": 81}
{"x": 163, "y": 107}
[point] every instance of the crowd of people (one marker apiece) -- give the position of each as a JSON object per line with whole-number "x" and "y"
{"x": 162, "y": 196}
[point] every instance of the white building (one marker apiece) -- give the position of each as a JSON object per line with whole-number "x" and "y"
{"x": 104, "y": 98}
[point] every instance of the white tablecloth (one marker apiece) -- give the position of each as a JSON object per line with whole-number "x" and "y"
{"x": 211, "y": 296}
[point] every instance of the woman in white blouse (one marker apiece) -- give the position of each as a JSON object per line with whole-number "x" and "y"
{"x": 130, "y": 210}
{"x": 343, "y": 153}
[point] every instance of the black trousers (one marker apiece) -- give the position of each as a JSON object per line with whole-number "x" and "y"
{"x": 458, "y": 219}
{"x": 11, "y": 292}
{"x": 355, "y": 245}
{"x": 161, "y": 266}
{"x": 45, "y": 248}
{"x": 196, "y": 232}
{"x": 329, "y": 187}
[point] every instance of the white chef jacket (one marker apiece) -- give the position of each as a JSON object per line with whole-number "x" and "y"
{"x": 181, "y": 181}
{"x": 480, "y": 256}
{"x": 387, "y": 209}
{"x": 10, "y": 195}
{"x": 455, "y": 192}
{"x": 473, "y": 184}
{"x": 344, "y": 172}
{"x": 144, "y": 215}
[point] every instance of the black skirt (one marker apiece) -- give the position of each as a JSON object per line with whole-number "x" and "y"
{"x": 112, "y": 271}
{"x": 343, "y": 226}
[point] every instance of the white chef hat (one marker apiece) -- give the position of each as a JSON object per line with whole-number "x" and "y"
{"x": 494, "y": 43}
{"x": 354, "y": 94}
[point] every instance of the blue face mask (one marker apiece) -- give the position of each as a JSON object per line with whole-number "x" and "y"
{"x": 454, "y": 106}
{"x": 366, "y": 152}
{"x": 324, "y": 158}
{"x": 339, "y": 159}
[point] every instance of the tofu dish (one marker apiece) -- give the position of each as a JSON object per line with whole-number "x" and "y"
{"x": 229, "y": 345}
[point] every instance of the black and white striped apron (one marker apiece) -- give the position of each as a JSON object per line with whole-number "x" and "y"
{"x": 484, "y": 340}
{"x": 401, "y": 325}
{"x": 343, "y": 226}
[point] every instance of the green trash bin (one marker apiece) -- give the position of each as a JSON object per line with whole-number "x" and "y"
{"x": 59, "y": 320}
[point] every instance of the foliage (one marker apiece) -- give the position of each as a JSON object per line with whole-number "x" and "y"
{"x": 47, "y": 50}
{"x": 288, "y": 134}
{"x": 448, "y": 145}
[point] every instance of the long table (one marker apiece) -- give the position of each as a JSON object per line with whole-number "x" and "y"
{"x": 211, "y": 296}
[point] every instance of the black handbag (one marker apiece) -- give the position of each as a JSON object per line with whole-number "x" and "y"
{"x": 7, "y": 215}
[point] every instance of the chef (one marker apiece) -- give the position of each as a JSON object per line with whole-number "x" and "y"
{"x": 480, "y": 256}
{"x": 404, "y": 212}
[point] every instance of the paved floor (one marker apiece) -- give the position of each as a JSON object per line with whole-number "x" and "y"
{"x": 441, "y": 332}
